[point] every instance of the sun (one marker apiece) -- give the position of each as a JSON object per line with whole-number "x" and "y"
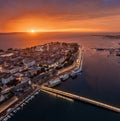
{"x": 32, "y": 30}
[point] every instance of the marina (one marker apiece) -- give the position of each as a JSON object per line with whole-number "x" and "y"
{"x": 99, "y": 88}
{"x": 51, "y": 83}
{"x": 18, "y": 107}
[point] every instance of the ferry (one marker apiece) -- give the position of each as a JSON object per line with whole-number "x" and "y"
{"x": 54, "y": 82}
{"x": 64, "y": 77}
{"x": 73, "y": 75}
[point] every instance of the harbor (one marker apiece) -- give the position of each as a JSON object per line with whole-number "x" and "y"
{"x": 70, "y": 72}
{"x": 12, "y": 111}
{"x": 96, "y": 83}
{"x": 62, "y": 75}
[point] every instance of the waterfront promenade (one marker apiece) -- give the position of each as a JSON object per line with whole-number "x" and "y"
{"x": 80, "y": 98}
{"x": 64, "y": 70}
{"x": 76, "y": 64}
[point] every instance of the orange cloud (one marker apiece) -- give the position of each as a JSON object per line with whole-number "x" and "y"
{"x": 42, "y": 23}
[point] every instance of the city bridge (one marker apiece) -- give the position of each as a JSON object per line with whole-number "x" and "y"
{"x": 80, "y": 98}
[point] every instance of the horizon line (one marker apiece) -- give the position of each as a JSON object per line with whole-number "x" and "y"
{"x": 59, "y": 32}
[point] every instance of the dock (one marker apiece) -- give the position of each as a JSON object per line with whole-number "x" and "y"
{"x": 80, "y": 98}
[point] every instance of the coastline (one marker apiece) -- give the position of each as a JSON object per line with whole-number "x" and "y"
{"x": 19, "y": 104}
{"x": 76, "y": 64}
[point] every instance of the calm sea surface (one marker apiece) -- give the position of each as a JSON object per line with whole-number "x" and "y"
{"x": 100, "y": 80}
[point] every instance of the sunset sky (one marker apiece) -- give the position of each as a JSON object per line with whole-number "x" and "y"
{"x": 60, "y": 15}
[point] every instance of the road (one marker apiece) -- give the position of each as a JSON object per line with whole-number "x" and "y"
{"x": 76, "y": 64}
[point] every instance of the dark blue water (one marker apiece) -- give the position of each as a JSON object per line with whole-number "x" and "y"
{"x": 100, "y": 80}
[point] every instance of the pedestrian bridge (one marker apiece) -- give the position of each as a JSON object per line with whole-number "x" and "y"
{"x": 80, "y": 98}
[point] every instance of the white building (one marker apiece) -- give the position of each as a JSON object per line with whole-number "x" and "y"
{"x": 7, "y": 55}
{"x": 6, "y": 80}
{"x": 39, "y": 48}
{"x": 29, "y": 63}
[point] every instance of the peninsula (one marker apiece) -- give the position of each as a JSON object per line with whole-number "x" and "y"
{"x": 22, "y": 71}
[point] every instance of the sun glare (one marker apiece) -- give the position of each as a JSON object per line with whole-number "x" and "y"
{"x": 32, "y": 30}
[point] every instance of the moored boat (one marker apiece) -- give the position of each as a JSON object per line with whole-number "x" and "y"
{"x": 64, "y": 77}
{"x": 54, "y": 82}
{"x": 73, "y": 75}
{"x": 77, "y": 70}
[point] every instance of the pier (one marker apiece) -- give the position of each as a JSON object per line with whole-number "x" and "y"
{"x": 80, "y": 98}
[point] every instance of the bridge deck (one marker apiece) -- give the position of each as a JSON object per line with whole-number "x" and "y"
{"x": 80, "y": 98}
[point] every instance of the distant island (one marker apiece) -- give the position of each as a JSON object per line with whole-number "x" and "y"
{"x": 115, "y": 51}
{"x": 109, "y": 36}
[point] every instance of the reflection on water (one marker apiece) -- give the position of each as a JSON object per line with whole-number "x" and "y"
{"x": 100, "y": 80}
{"x": 28, "y": 40}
